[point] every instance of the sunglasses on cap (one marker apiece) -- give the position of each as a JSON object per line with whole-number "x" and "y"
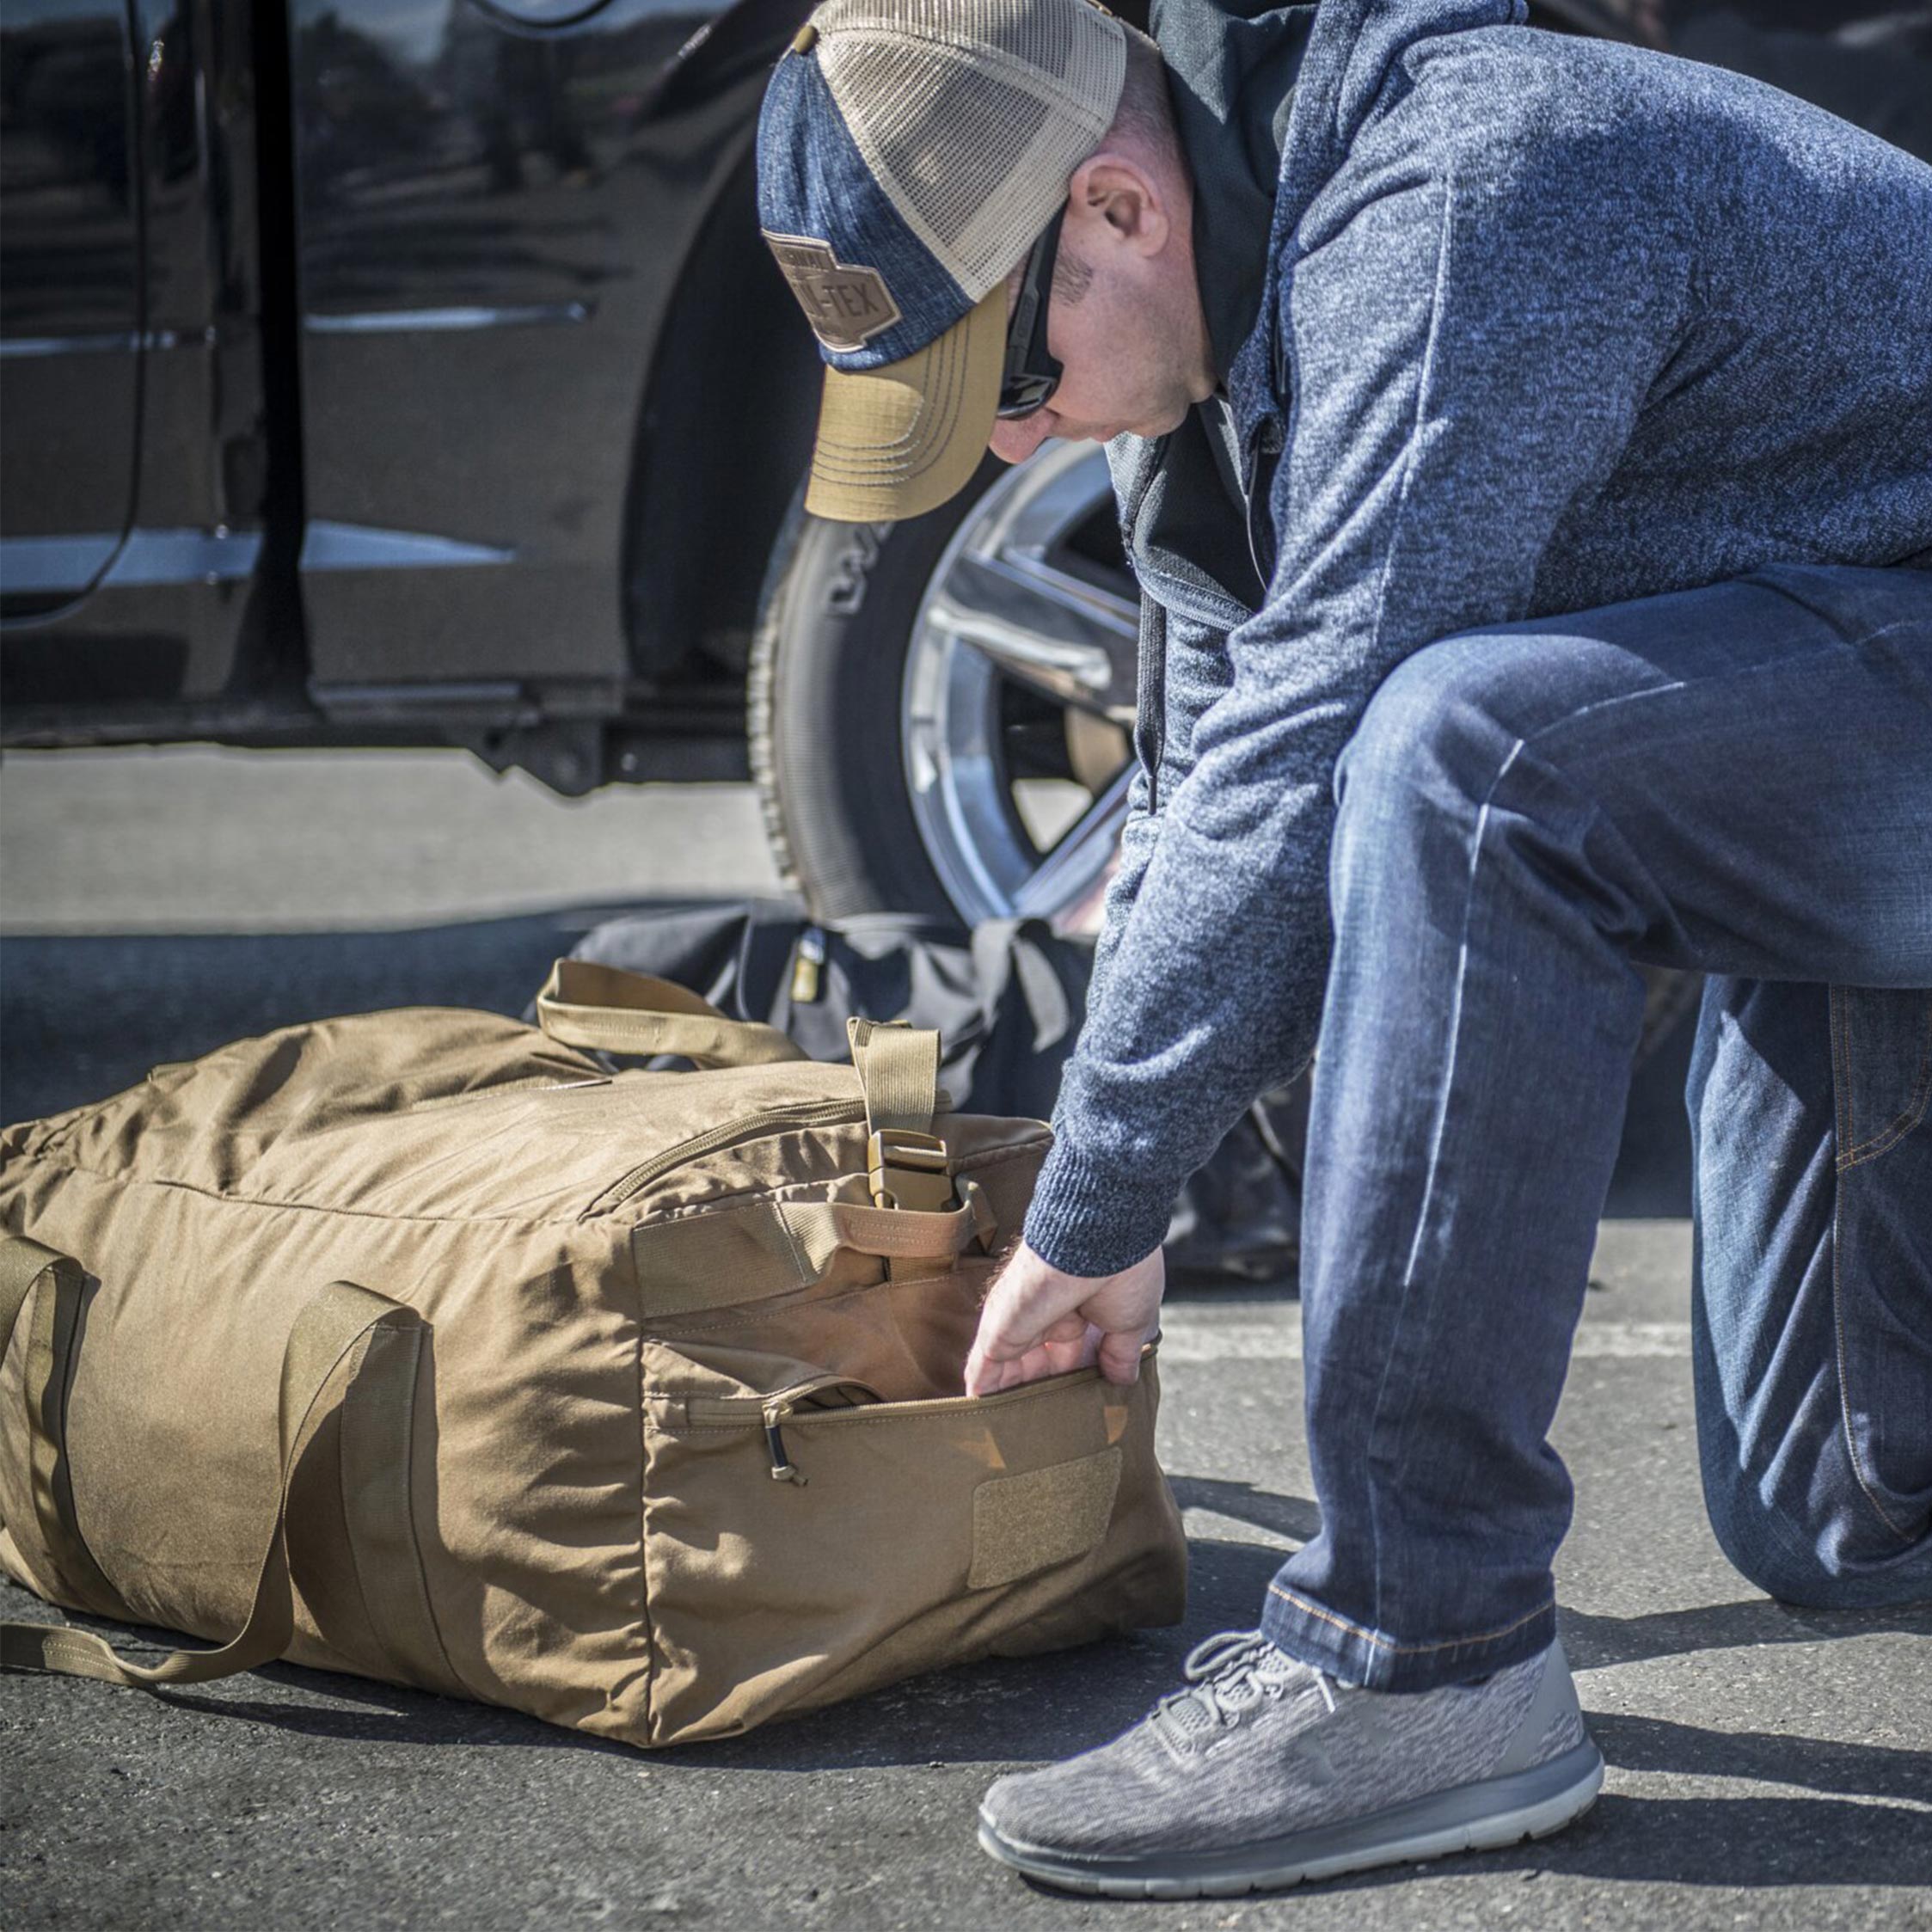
{"x": 1031, "y": 374}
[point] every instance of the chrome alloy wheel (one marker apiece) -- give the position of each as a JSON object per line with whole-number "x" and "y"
{"x": 1027, "y": 635}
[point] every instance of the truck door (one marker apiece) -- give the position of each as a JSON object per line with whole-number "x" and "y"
{"x": 70, "y": 281}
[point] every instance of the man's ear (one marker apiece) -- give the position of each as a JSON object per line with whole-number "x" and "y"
{"x": 1116, "y": 202}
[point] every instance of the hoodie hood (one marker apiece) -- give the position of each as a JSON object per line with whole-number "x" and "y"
{"x": 1232, "y": 66}
{"x": 1266, "y": 101}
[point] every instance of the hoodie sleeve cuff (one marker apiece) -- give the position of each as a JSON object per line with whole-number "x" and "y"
{"x": 1084, "y": 1219}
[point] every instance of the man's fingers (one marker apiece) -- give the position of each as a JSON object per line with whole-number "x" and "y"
{"x": 987, "y": 1376}
{"x": 1038, "y": 1321}
{"x": 1065, "y": 1351}
{"x": 1119, "y": 1357}
{"x": 1068, "y": 1343}
{"x": 1070, "y": 1326}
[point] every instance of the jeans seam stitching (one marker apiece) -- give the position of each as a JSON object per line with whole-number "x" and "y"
{"x": 1889, "y": 1136}
{"x": 1859, "y": 1473}
{"x": 1406, "y": 1650}
{"x": 1424, "y": 397}
{"x": 1378, "y": 1422}
{"x": 1841, "y": 1064}
{"x": 1582, "y": 714}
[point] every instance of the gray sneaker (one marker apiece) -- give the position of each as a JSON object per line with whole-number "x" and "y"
{"x": 1262, "y": 1772}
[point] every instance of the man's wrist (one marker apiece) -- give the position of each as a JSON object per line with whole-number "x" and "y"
{"x": 1085, "y": 1220}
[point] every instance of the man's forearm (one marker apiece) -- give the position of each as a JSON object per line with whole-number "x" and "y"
{"x": 1229, "y": 950}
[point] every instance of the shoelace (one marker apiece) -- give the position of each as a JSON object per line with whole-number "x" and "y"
{"x": 1225, "y": 1683}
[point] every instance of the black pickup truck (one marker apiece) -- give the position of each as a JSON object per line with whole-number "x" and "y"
{"x": 410, "y": 372}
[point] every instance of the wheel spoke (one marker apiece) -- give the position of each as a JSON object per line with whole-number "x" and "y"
{"x": 1082, "y": 856}
{"x": 1044, "y": 629}
{"x": 1018, "y": 599}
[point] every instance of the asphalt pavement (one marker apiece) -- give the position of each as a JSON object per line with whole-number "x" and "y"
{"x": 1767, "y": 1767}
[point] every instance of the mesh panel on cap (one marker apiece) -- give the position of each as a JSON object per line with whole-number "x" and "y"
{"x": 1037, "y": 32}
{"x": 972, "y": 114}
{"x": 946, "y": 185}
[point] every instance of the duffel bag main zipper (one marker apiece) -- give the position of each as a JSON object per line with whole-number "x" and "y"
{"x": 747, "y": 1127}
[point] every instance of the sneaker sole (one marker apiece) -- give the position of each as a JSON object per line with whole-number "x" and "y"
{"x": 1483, "y": 1817}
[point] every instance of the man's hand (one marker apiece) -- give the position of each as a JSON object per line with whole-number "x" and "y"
{"x": 1039, "y": 1322}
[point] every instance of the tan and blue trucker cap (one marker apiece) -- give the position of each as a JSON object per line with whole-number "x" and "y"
{"x": 910, "y": 151}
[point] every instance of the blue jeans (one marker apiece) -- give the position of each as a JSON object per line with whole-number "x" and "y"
{"x": 1736, "y": 781}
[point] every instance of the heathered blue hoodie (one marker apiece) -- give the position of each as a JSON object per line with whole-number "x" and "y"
{"x": 1546, "y": 323}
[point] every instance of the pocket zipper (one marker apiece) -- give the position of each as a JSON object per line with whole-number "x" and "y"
{"x": 749, "y": 1126}
{"x": 774, "y": 1410}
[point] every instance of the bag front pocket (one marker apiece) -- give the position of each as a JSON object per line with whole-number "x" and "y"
{"x": 897, "y": 1538}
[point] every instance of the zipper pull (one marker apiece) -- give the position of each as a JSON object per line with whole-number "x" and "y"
{"x": 783, "y": 1470}
{"x": 804, "y": 967}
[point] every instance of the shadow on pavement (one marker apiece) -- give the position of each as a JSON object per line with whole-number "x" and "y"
{"x": 1293, "y": 1516}
{"x": 1743, "y": 1842}
{"x": 1814, "y": 1765}
{"x": 1842, "y": 1822}
{"x": 1004, "y": 1710}
{"x": 1592, "y": 1642}
{"x": 1765, "y": 1843}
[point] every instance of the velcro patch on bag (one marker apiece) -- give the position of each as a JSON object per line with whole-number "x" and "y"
{"x": 716, "y": 1260}
{"x": 1021, "y": 1523}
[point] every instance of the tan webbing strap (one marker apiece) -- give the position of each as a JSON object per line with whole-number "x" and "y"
{"x": 822, "y": 1228}
{"x": 730, "y": 1255}
{"x": 331, "y": 1328}
{"x": 68, "y": 1566}
{"x": 611, "y": 1011}
{"x": 377, "y": 1436}
{"x": 898, "y": 1069}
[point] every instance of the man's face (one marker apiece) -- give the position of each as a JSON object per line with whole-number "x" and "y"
{"x": 1124, "y": 321}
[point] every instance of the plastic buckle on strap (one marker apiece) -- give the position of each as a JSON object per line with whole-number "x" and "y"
{"x": 909, "y": 1170}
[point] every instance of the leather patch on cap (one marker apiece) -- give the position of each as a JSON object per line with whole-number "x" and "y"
{"x": 846, "y": 305}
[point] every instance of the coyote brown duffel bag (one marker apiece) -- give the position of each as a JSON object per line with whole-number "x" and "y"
{"x": 418, "y": 1345}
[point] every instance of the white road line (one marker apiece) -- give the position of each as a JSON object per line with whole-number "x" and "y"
{"x": 1188, "y": 1337}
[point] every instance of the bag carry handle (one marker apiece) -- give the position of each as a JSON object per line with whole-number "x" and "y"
{"x": 51, "y": 1340}
{"x": 330, "y": 1327}
{"x": 725, "y": 1256}
{"x": 611, "y": 1011}
{"x": 605, "y": 1008}
{"x": 822, "y": 1228}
